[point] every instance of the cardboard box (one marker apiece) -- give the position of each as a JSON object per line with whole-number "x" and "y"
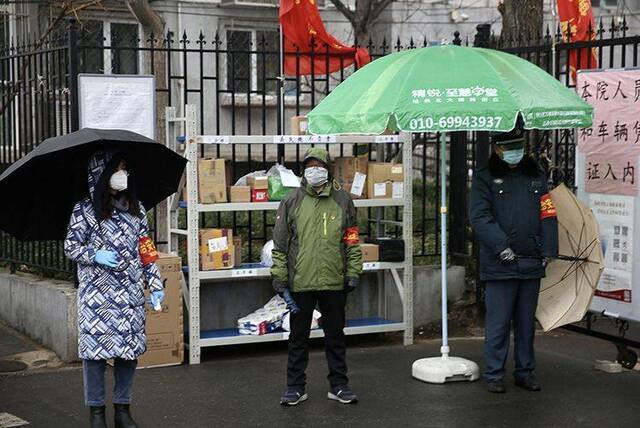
{"x": 385, "y": 180}
{"x": 165, "y": 329}
{"x": 216, "y": 249}
{"x": 237, "y": 247}
{"x": 370, "y": 252}
{"x": 299, "y": 125}
{"x": 258, "y": 183}
{"x": 212, "y": 180}
{"x": 163, "y": 349}
{"x": 240, "y": 194}
{"x": 352, "y": 172}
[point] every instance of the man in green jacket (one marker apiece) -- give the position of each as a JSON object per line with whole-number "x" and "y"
{"x": 317, "y": 256}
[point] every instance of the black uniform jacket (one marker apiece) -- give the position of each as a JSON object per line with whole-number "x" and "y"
{"x": 509, "y": 207}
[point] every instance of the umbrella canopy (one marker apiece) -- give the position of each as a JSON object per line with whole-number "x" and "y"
{"x": 40, "y": 190}
{"x": 571, "y": 281}
{"x": 448, "y": 88}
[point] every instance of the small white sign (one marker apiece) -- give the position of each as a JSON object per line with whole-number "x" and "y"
{"x": 304, "y": 139}
{"x": 379, "y": 189}
{"x": 244, "y": 272}
{"x": 397, "y": 190}
{"x": 386, "y": 139}
{"x": 214, "y": 139}
{"x": 371, "y": 266}
{"x": 358, "y": 183}
{"x": 396, "y": 169}
{"x": 218, "y": 244}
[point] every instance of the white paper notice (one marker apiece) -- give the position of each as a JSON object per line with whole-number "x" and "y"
{"x": 397, "y": 190}
{"x": 615, "y": 215}
{"x": 358, "y": 184}
{"x": 118, "y": 102}
{"x": 218, "y": 244}
{"x": 289, "y": 179}
{"x": 379, "y": 189}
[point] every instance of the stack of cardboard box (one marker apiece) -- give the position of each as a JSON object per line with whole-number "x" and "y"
{"x": 259, "y": 188}
{"x": 164, "y": 329}
{"x": 385, "y": 180}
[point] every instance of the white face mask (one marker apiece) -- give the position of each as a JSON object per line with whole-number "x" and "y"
{"x": 316, "y": 175}
{"x": 119, "y": 180}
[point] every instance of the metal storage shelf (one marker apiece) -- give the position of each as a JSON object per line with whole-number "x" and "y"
{"x": 256, "y": 270}
{"x": 230, "y": 336}
{"x": 401, "y": 272}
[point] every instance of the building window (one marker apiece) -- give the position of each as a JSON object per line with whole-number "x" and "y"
{"x": 253, "y": 62}
{"x": 109, "y": 47}
{"x": 124, "y": 44}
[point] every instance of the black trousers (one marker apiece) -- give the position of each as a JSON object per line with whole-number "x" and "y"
{"x": 510, "y": 301}
{"x": 332, "y": 307}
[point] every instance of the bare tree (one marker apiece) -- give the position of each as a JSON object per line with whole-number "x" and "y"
{"x": 365, "y": 14}
{"x": 521, "y": 20}
{"x": 154, "y": 28}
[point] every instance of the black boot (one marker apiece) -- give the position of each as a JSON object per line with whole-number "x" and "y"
{"x": 122, "y": 418}
{"x": 96, "y": 417}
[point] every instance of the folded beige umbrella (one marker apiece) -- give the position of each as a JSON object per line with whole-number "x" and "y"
{"x": 572, "y": 278}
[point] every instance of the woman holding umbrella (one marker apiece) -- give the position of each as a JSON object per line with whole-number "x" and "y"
{"x": 107, "y": 238}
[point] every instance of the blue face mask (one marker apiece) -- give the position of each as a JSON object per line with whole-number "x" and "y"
{"x": 513, "y": 157}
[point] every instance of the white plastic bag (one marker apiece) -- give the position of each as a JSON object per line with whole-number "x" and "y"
{"x": 266, "y": 258}
{"x": 286, "y": 322}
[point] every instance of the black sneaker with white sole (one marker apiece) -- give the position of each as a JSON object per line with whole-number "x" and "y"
{"x": 342, "y": 394}
{"x": 293, "y": 396}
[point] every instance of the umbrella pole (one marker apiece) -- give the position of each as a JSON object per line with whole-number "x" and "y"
{"x": 444, "y": 368}
{"x": 443, "y": 243}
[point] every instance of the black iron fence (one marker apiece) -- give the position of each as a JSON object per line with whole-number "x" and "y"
{"x": 234, "y": 79}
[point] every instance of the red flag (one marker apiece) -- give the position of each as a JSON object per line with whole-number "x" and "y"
{"x": 302, "y": 25}
{"x": 576, "y": 21}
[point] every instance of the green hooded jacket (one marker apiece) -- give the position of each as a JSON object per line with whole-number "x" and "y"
{"x": 316, "y": 241}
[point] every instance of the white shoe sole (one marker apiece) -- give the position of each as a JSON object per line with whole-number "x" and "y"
{"x": 332, "y": 396}
{"x": 302, "y": 398}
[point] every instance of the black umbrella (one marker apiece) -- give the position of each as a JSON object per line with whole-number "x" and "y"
{"x": 39, "y": 191}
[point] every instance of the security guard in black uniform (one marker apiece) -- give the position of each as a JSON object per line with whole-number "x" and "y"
{"x": 515, "y": 222}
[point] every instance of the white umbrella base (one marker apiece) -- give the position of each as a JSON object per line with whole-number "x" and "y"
{"x": 445, "y": 369}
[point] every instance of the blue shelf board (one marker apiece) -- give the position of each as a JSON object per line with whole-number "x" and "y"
{"x": 232, "y": 332}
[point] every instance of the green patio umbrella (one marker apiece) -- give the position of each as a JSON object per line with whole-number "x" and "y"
{"x": 444, "y": 89}
{"x": 448, "y": 88}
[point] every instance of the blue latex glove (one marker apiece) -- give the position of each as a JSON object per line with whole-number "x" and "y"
{"x": 156, "y": 299}
{"x": 291, "y": 304}
{"x": 107, "y": 258}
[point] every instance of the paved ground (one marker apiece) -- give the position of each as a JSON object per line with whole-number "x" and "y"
{"x": 13, "y": 343}
{"x": 241, "y": 387}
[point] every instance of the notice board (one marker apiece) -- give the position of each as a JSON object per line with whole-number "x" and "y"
{"x": 606, "y": 164}
{"x": 117, "y": 101}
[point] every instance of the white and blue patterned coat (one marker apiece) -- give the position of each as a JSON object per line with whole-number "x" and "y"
{"x": 111, "y": 314}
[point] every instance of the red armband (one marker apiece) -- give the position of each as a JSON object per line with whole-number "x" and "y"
{"x": 148, "y": 252}
{"x": 351, "y": 236}
{"x": 547, "y": 209}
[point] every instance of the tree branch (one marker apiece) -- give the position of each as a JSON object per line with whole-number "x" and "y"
{"x": 343, "y": 9}
{"x": 378, "y": 8}
{"x": 146, "y": 16}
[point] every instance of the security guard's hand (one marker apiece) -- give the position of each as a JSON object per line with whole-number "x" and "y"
{"x": 351, "y": 284}
{"x": 507, "y": 256}
{"x": 545, "y": 261}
